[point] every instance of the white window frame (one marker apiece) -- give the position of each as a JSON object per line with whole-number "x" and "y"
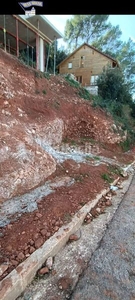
{"x": 70, "y": 65}
{"x": 93, "y": 79}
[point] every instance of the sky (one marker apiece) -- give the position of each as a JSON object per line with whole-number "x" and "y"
{"x": 125, "y": 22}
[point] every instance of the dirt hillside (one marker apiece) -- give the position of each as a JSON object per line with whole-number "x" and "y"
{"x": 54, "y": 150}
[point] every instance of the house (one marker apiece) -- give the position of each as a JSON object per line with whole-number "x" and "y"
{"x": 86, "y": 63}
{"x": 27, "y": 32}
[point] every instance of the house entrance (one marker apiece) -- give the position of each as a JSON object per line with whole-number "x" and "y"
{"x": 79, "y": 79}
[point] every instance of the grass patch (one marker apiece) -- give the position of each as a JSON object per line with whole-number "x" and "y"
{"x": 125, "y": 145}
{"x": 44, "y": 92}
{"x": 46, "y": 75}
{"x": 114, "y": 169}
{"x": 96, "y": 157}
{"x": 73, "y": 143}
{"x": 65, "y": 140}
{"x": 88, "y": 157}
{"x": 87, "y": 139}
{"x": 106, "y": 177}
{"x": 83, "y": 93}
{"x": 72, "y": 82}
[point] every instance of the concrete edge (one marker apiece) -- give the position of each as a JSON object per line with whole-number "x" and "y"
{"x": 15, "y": 283}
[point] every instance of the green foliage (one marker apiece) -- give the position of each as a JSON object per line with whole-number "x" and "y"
{"x": 115, "y": 169}
{"x": 37, "y": 74}
{"x": 46, "y": 75}
{"x": 96, "y": 157}
{"x": 44, "y": 92}
{"x": 112, "y": 86}
{"x": 84, "y": 28}
{"x": 72, "y": 82}
{"x": 27, "y": 58}
{"x": 109, "y": 40}
{"x": 132, "y": 106}
{"x": 60, "y": 55}
{"x": 125, "y": 145}
{"x": 126, "y": 56}
{"x": 83, "y": 93}
{"x": 106, "y": 177}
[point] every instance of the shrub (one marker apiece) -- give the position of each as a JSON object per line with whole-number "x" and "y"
{"x": 112, "y": 86}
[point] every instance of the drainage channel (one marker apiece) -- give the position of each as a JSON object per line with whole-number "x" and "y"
{"x": 15, "y": 207}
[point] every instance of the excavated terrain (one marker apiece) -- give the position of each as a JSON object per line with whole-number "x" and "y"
{"x": 57, "y": 152}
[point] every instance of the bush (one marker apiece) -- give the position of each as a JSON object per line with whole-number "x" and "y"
{"x": 112, "y": 86}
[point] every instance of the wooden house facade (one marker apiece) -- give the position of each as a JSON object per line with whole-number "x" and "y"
{"x": 86, "y": 63}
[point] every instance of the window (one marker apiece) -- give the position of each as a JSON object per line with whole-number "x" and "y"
{"x": 69, "y": 65}
{"x": 93, "y": 79}
{"x": 83, "y": 57}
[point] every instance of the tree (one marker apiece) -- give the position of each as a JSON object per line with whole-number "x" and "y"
{"x": 73, "y": 30}
{"x": 84, "y": 28}
{"x": 127, "y": 60}
{"x": 113, "y": 88}
{"x": 110, "y": 42}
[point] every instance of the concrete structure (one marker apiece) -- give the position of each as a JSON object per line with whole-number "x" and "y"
{"x": 29, "y": 33}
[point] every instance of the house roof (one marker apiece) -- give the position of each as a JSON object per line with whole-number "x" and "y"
{"x": 45, "y": 26}
{"x": 85, "y": 44}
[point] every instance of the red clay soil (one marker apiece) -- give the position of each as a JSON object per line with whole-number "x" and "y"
{"x": 44, "y": 100}
{"x": 23, "y": 236}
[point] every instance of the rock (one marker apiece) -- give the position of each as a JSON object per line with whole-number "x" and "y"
{"x": 108, "y": 203}
{"x": 36, "y": 236}
{"x": 102, "y": 209}
{"x": 54, "y": 272}
{"x": 14, "y": 262}
{"x": 39, "y": 242}
{"x": 114, "y": 193}
{"x": 120, "y": 186}
{"x": 9, "y": 248}
{"x": 38, "y": 215}
{"x": 43, "y": 271}
{"x": 56, "y": 228}
{"x": 20, "y": 256}
{"x": 57, "y": 223}
{"x": 98, "y": 210}
{"x": 3, "y": 268}
{"x": 49, "y": 262}
{"x": 32, "y": 249}
{"x": 6, "y": 102}
{"x": 9, "y": 226}
{"x": 88, "y": 221}
{"x": 123, "y": 173}
{"x": 31, "y": 242}
{"x": 73, "y": 237}
{"x": 64, "y": 283}
{"x": 48, "y": 234}
{"x": 43, "y": 232}
{"x": 94, "y": 212}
